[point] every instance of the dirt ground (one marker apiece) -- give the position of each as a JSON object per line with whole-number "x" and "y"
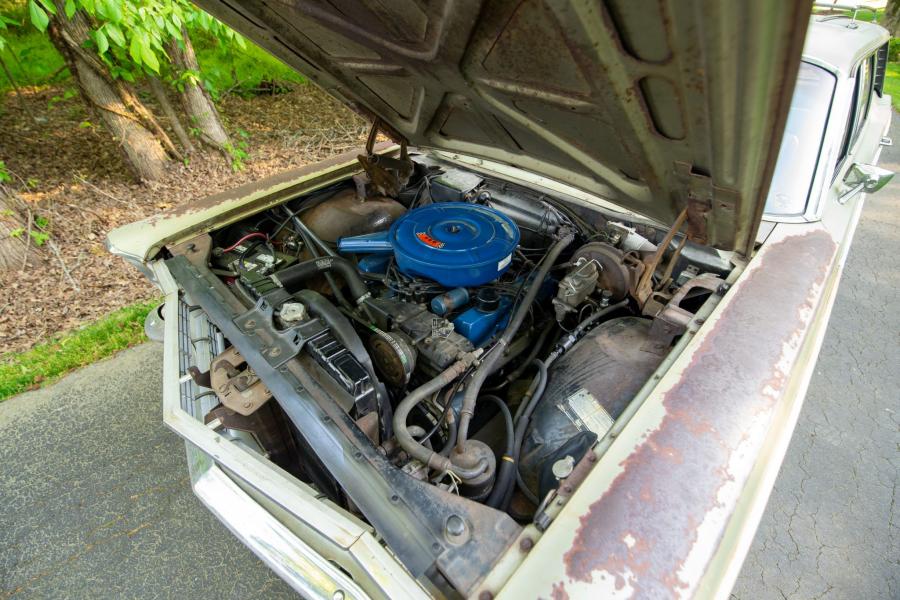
{"x": 69, "y": 171}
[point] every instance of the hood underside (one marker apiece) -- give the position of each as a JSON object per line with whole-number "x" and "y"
{"x": 656, "y": 106}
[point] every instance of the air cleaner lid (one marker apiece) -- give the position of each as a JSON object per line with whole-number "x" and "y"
{"x": 454, "y": 244}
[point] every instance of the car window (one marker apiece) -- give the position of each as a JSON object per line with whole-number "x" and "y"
{"x": 862, "y": 96}
{"x": 865, "y": 79}
{"x": 802, "y": 142}
{"x": 881, "y": 60}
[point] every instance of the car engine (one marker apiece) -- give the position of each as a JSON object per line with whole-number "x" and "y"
{"x": 477, "y": 336}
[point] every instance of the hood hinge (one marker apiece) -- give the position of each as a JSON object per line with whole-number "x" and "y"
{"x": 385, "y": 175}
{"x": 699, "y": 200}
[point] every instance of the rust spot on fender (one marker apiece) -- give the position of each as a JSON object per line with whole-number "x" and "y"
{"x": 646, "y": 525}
{"x": 559, "y": 592}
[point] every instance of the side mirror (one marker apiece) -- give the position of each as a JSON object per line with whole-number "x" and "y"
{"x": 864, "y": 178}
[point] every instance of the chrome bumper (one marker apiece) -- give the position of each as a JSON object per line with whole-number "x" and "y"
{"x": 285, "y": 553}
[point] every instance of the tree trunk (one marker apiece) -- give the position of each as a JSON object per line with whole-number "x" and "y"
{"x": 141, "y": 138}
{"x": 198, "y": 106}
{"x": 891, "y": 19}
{"x": 159, "y": 90}
{"x": 15, "y": 251}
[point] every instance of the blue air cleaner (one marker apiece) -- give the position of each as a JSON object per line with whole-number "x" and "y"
{"x": 455, "y": 244}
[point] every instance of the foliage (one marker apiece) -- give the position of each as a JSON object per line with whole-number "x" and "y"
{"x": 228, "y": 63}
{"x": 892, "y": 84}
{"x": 39, "y": 232}
{"x": 894, "y": 50}
{"x": 223, "y": 69}
{"x": 5, "y": 23}
{"x": 238, "y": 151}
{"x": 4, "y": 172}
{"x": 870, "y": 16}
{"x": 31, "y": 58}
{"x": 131, "y": 36}
{"x": 47, "y": 362}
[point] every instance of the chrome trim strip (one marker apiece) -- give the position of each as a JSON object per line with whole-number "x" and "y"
{"x": 295, "y": 562}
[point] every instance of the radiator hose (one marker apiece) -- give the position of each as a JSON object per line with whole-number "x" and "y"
{"x": 497, "y": 351}
{"x": 292, "y": 278}
{"x": 416, "y": 450}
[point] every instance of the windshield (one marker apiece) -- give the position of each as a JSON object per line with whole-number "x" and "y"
{"x": 802, "y": 143}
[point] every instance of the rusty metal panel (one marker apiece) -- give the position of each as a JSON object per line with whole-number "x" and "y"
{"x": 650, "y": 517}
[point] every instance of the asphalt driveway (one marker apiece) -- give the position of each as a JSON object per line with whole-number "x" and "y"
{"x": 95, "y": 500}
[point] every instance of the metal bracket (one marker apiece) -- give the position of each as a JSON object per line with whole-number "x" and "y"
{"x": 387, "y": 175}
{"x": 672, "y": 320}
{"x": 699, "y": 200}
{"x": 201, "y": 378}
{"x": 197, "y": 250}
{"x": 278, "y": 346}
{"x": 238, "y": 389}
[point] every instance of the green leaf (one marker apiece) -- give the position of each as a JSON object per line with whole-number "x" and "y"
{"x": 70, "y": 9}
{"x": 102, "y": 42}
{"x": 39, "y": 237}
{"x": 48, "y": 6}
{"x": 39, "y": 18}
{"x": 115, "y": 34}
{"x": 113, "y": 11}
{"x": 173, "y": 31}
{"x": 135, "y": 50}
{"x": 149, "y": 57}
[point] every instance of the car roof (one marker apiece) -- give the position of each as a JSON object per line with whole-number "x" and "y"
{"x": 832, "y": 41}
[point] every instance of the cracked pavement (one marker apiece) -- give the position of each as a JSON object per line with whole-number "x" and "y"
{"x": 95, "y": 499}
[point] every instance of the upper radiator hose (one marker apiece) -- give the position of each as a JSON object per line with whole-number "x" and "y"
{"x": 292, "y": 277}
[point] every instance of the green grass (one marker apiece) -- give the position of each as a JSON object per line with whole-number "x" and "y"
{"x": 892, "y": 84}
{"x": 32, "y": 60}
{"x": 47, "y": 362}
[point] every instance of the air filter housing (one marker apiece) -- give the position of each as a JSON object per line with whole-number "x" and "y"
{"x": 455, "y": 244}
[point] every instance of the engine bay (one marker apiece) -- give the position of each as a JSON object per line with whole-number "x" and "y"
{"x": 436, "y": 350}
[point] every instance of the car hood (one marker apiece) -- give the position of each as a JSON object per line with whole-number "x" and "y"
{"x": 656, "y": 106}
